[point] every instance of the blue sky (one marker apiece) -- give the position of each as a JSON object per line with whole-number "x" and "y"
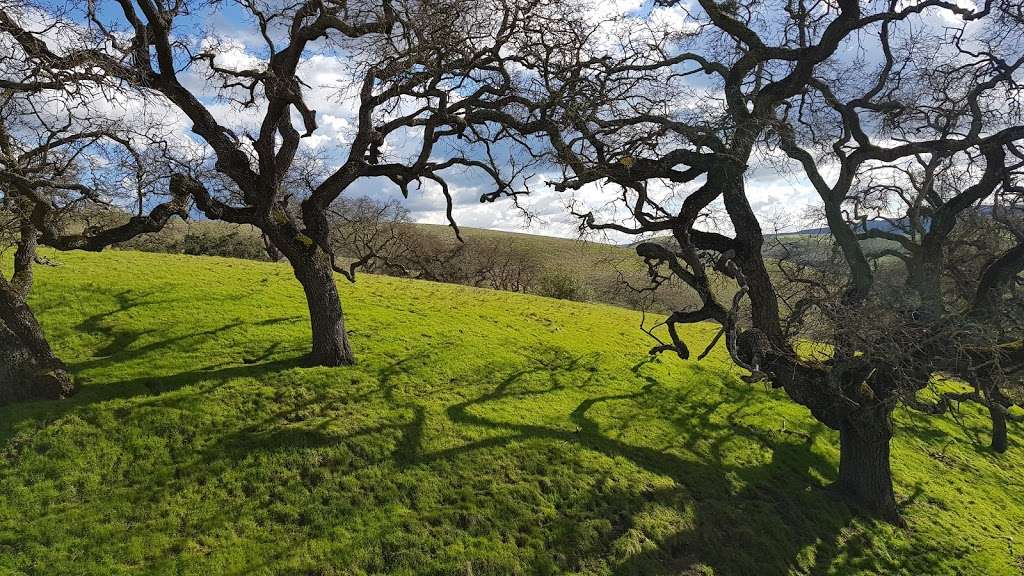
{"x": 773, "y": 193}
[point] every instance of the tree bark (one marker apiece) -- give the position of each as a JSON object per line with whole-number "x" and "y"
{"x": 865, "y": 478}
{"x": 272, "y": 252}
{"x": 24, "y": 258}
{"x": 999, "y": 439}
{"x": 330, "y": 340}
{"x": 30, "y": 369}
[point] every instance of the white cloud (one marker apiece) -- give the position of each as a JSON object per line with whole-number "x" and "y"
{"x": 331, "y": 91}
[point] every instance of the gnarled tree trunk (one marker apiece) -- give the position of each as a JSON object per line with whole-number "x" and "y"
{"x": 330, "y": 341}
{"x": 312, "y": 268}
{"x": 29, "y": 370}
{"x": 865, "y": 478}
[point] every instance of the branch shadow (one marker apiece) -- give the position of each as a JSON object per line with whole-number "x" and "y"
{"x": 767, "y": 516}
{"x": 271, "y": 360}
{"x": 778, "y": 519}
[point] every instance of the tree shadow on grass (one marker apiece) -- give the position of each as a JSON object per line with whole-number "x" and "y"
{"x": 762, "y": 516}
{"x": 968, "y": 421}
{"x": 765, "y": 518}
{"x": 99, "y": 324}
{"x": 207, "y": 378}
{"x": 118, "y": 343}
{"x": 295, "y": 430}
{"x": 120, "y": 349}
{"x": 307, "y": 424}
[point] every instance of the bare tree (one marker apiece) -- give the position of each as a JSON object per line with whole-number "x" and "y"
{"x": 504, "y": 265}
{"x": 676, "y": 120}
{"x": 30, "y": 369}
{"x": 419, "y": 68}
{"x": 375, "y": 236}
{"x": 947, "y": 189}
{"x": 956, "y": 242}
{"x": 380, "y": 237}
{"x": 57, "y": 167}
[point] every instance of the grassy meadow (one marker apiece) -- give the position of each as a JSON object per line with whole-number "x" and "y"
{"x": 481, "y": 433}
{"x": 596, "y": 269}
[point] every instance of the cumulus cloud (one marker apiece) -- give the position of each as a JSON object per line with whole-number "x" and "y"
{"x": 330, "y": 90}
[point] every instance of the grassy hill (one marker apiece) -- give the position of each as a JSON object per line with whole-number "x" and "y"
{"x": 482, "y": 432}
{"x": 598, "y": 268}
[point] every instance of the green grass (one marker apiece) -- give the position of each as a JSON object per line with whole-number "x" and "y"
{"x": 598, "y": 268}
{"x": 480, "y": 433}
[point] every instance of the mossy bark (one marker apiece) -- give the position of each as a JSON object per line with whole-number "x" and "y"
{"x": 29, "y": 370}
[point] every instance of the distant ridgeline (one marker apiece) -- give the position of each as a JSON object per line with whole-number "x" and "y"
{"x": 902, "y": 225}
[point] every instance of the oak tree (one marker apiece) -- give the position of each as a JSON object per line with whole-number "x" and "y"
{"x": 676, "y": 116}
{"x": 416, "y": 70}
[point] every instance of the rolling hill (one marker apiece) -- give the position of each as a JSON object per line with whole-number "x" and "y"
{"x": 480, "y": 433}
{"x": 598, "y": 268}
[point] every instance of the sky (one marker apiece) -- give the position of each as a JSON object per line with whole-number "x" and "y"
{"x": 778, "y": 195}
{"x": 772, "y": 192}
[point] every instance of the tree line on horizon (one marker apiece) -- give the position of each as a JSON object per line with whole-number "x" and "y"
{"x": 907, "y": 111}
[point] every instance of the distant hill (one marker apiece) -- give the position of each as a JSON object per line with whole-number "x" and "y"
{"x": 899, "y": 226}
{"x": 600, "y": 272}
{"x": 902, "y": 225}
{"x": 597, "y": 269}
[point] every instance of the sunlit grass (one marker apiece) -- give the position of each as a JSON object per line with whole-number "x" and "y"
{"x": 480, "y": 433}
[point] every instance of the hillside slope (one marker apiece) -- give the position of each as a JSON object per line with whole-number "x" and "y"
{"x": 597, "y": 268}
{"x": 481, "y": 432}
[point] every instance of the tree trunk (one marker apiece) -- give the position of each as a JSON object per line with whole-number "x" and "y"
{"x": 865, "y": 478}
{"x": 272, "y": 252}
{"x": 330, "y": 340}
{"x": 29, "y": 370}
{"x": 24, "y": 259}
{"x": 999, "y": 440}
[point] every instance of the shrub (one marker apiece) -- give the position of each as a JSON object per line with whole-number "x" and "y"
{"x": 237, "y": 243}
{"x": 562, "y": 285}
